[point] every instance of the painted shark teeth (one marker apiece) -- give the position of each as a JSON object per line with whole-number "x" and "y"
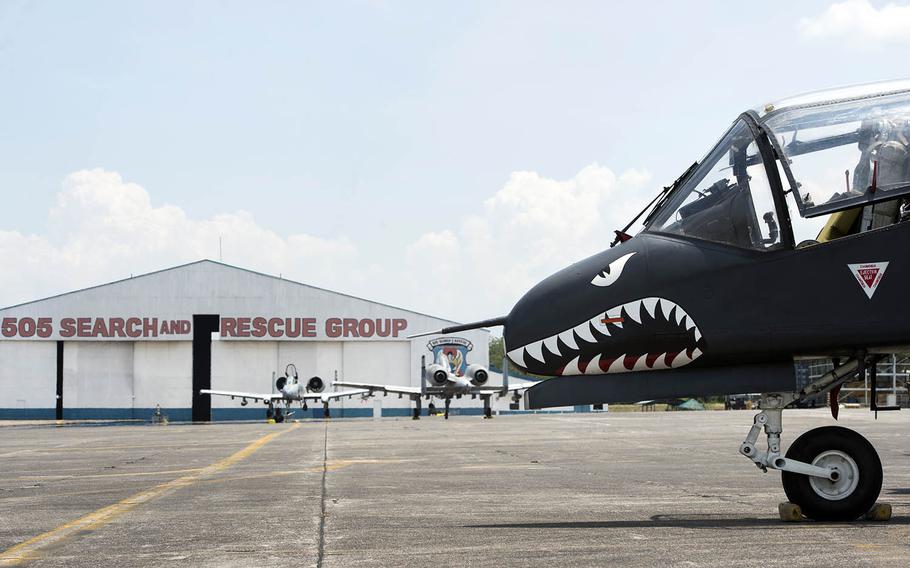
{"x": 617, "y": 365}
{"x": 660, "y": 362}
{"x": 517, "y": 356}
{"x": 535, "y": 351}
{"x": 650, "y": 305}
{"x": 641, "y": 364}
{"x": 572, "y": 368}
{"x": 568, "y": 337}
{"x": 582, "y": 333}
{"x": 633, "y": 310}
{"x": 614, "y": 314}
{"x": 551, "y": 343}
{"x": 593, "y": 367}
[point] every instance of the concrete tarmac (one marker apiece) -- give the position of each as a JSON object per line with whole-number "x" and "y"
{"x": 629, "y": 489}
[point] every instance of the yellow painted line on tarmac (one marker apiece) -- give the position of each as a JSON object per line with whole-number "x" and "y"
{"x": 96, "y": 475}
{"x": 332, "y": 465}
{"x": 31, "y": 548}
{"x": 177, "y": 445}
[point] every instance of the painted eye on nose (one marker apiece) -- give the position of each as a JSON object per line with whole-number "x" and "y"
{"x": 609, "y": 275}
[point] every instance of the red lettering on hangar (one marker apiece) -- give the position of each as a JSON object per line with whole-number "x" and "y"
{"x": 123, "y": 328}
{"x": 268, "y": 327}
{"x": 366, "y": 327}
{"x": 299, "y": 327}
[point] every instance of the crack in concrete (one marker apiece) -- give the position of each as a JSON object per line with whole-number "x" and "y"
{"x": 325, "y": 469}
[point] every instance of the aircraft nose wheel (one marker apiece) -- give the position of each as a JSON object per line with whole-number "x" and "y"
{"x": 854, "y": 486}
{"x": 844, "y": 480}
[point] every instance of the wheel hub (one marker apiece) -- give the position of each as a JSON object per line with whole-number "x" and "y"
{"x": 845, "y": 480}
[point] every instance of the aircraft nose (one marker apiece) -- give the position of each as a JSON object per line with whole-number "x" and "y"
{"x": 567, "y": 297}
{"x": 598, "y": 316}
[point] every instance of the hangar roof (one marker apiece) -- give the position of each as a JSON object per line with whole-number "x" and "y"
{"x": 207, "y": 286}
{"x": 228, "y": 266}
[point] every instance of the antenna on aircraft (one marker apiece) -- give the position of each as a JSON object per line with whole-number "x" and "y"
{"x": 493, "y": 322}
{"x": 623, "y": 234}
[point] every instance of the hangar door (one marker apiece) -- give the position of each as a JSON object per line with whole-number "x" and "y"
{"x": 28, "y": 378}
{"x": 203, "y": 327}
{"x": 98, "y": 379}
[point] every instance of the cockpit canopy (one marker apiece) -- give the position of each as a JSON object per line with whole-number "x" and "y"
{"x": 727, "y": 199}
{"x": 846, "y": 156}
{"x": 843, "y": 154}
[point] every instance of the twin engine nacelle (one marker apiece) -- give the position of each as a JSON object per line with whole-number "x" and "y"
{"x": 477, "y": 374}
{"x": 437, "y": 375}
{"x": 315, "y": 384}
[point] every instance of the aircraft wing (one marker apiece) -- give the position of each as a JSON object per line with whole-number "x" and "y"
{"x": 371, "y": 387}
{"x": 249, "y": 395}
{"x": 511, "y": 388}
{"x": 327, "y": 396}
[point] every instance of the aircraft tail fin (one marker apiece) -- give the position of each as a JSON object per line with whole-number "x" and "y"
{"x": 443, "y": 360}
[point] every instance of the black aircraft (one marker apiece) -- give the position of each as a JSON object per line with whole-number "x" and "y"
{"x": 787, "y": 240}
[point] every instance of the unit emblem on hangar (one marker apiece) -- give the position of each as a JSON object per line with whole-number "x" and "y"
{"x": 868, "y": 275}
{"x": 456, "y": 351}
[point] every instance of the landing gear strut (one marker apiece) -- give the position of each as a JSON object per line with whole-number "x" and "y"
{"x": 416, "y": 415}
{"x": 832, "y": 473}
{"x": 448, "y": 402}
{"x": 487, "y": 411}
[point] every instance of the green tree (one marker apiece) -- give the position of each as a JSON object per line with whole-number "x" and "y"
{"x": 497, "y": 352}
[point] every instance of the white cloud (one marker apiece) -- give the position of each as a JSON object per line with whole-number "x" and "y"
{"x": 529, "y": 229}
{"x": 859, "y": 24}
{"x": 103, "y": 228}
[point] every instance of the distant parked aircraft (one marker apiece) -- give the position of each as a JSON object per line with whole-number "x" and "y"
{"x": 290, "y": 390}
{"x": 441, "y": 381}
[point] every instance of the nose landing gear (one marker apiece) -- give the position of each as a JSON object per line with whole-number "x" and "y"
{"x": 831, "y": 473}
{"x": 848, "y": 494}
{"x": 274, "y": 413}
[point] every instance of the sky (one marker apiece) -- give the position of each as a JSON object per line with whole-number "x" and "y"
{"x": 442, "y": 157}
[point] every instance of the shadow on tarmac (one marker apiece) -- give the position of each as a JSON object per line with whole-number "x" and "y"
{"x": 682, "y": 521}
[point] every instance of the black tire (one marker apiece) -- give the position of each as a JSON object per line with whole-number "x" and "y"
{"x": 845, "y": 502}
{"x": 269, "y": 414}
{"x": 279, "y": 416}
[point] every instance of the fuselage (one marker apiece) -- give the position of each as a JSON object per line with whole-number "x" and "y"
{"x": 684, "y": 302}
{"x": 457, "y": 385}
{"x": 293, "y": 391}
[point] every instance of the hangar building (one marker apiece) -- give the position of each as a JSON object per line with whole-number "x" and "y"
{"x": 118, "y": 350}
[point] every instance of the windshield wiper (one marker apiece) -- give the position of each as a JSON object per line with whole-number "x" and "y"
{"x": 623, "y": 235}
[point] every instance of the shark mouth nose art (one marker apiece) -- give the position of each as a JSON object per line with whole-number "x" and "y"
{"x": 646, "y": 334}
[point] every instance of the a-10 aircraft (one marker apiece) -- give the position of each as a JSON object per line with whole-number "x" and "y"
{"x": 290, "y": 390}
{"x": 440, "y": 380}
{"x": 788, "y": 240}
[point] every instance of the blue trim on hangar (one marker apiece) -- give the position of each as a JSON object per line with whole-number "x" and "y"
{"x": 226, "y": 414}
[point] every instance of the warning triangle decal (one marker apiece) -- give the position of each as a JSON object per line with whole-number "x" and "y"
{"x": 869, "y": 275}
